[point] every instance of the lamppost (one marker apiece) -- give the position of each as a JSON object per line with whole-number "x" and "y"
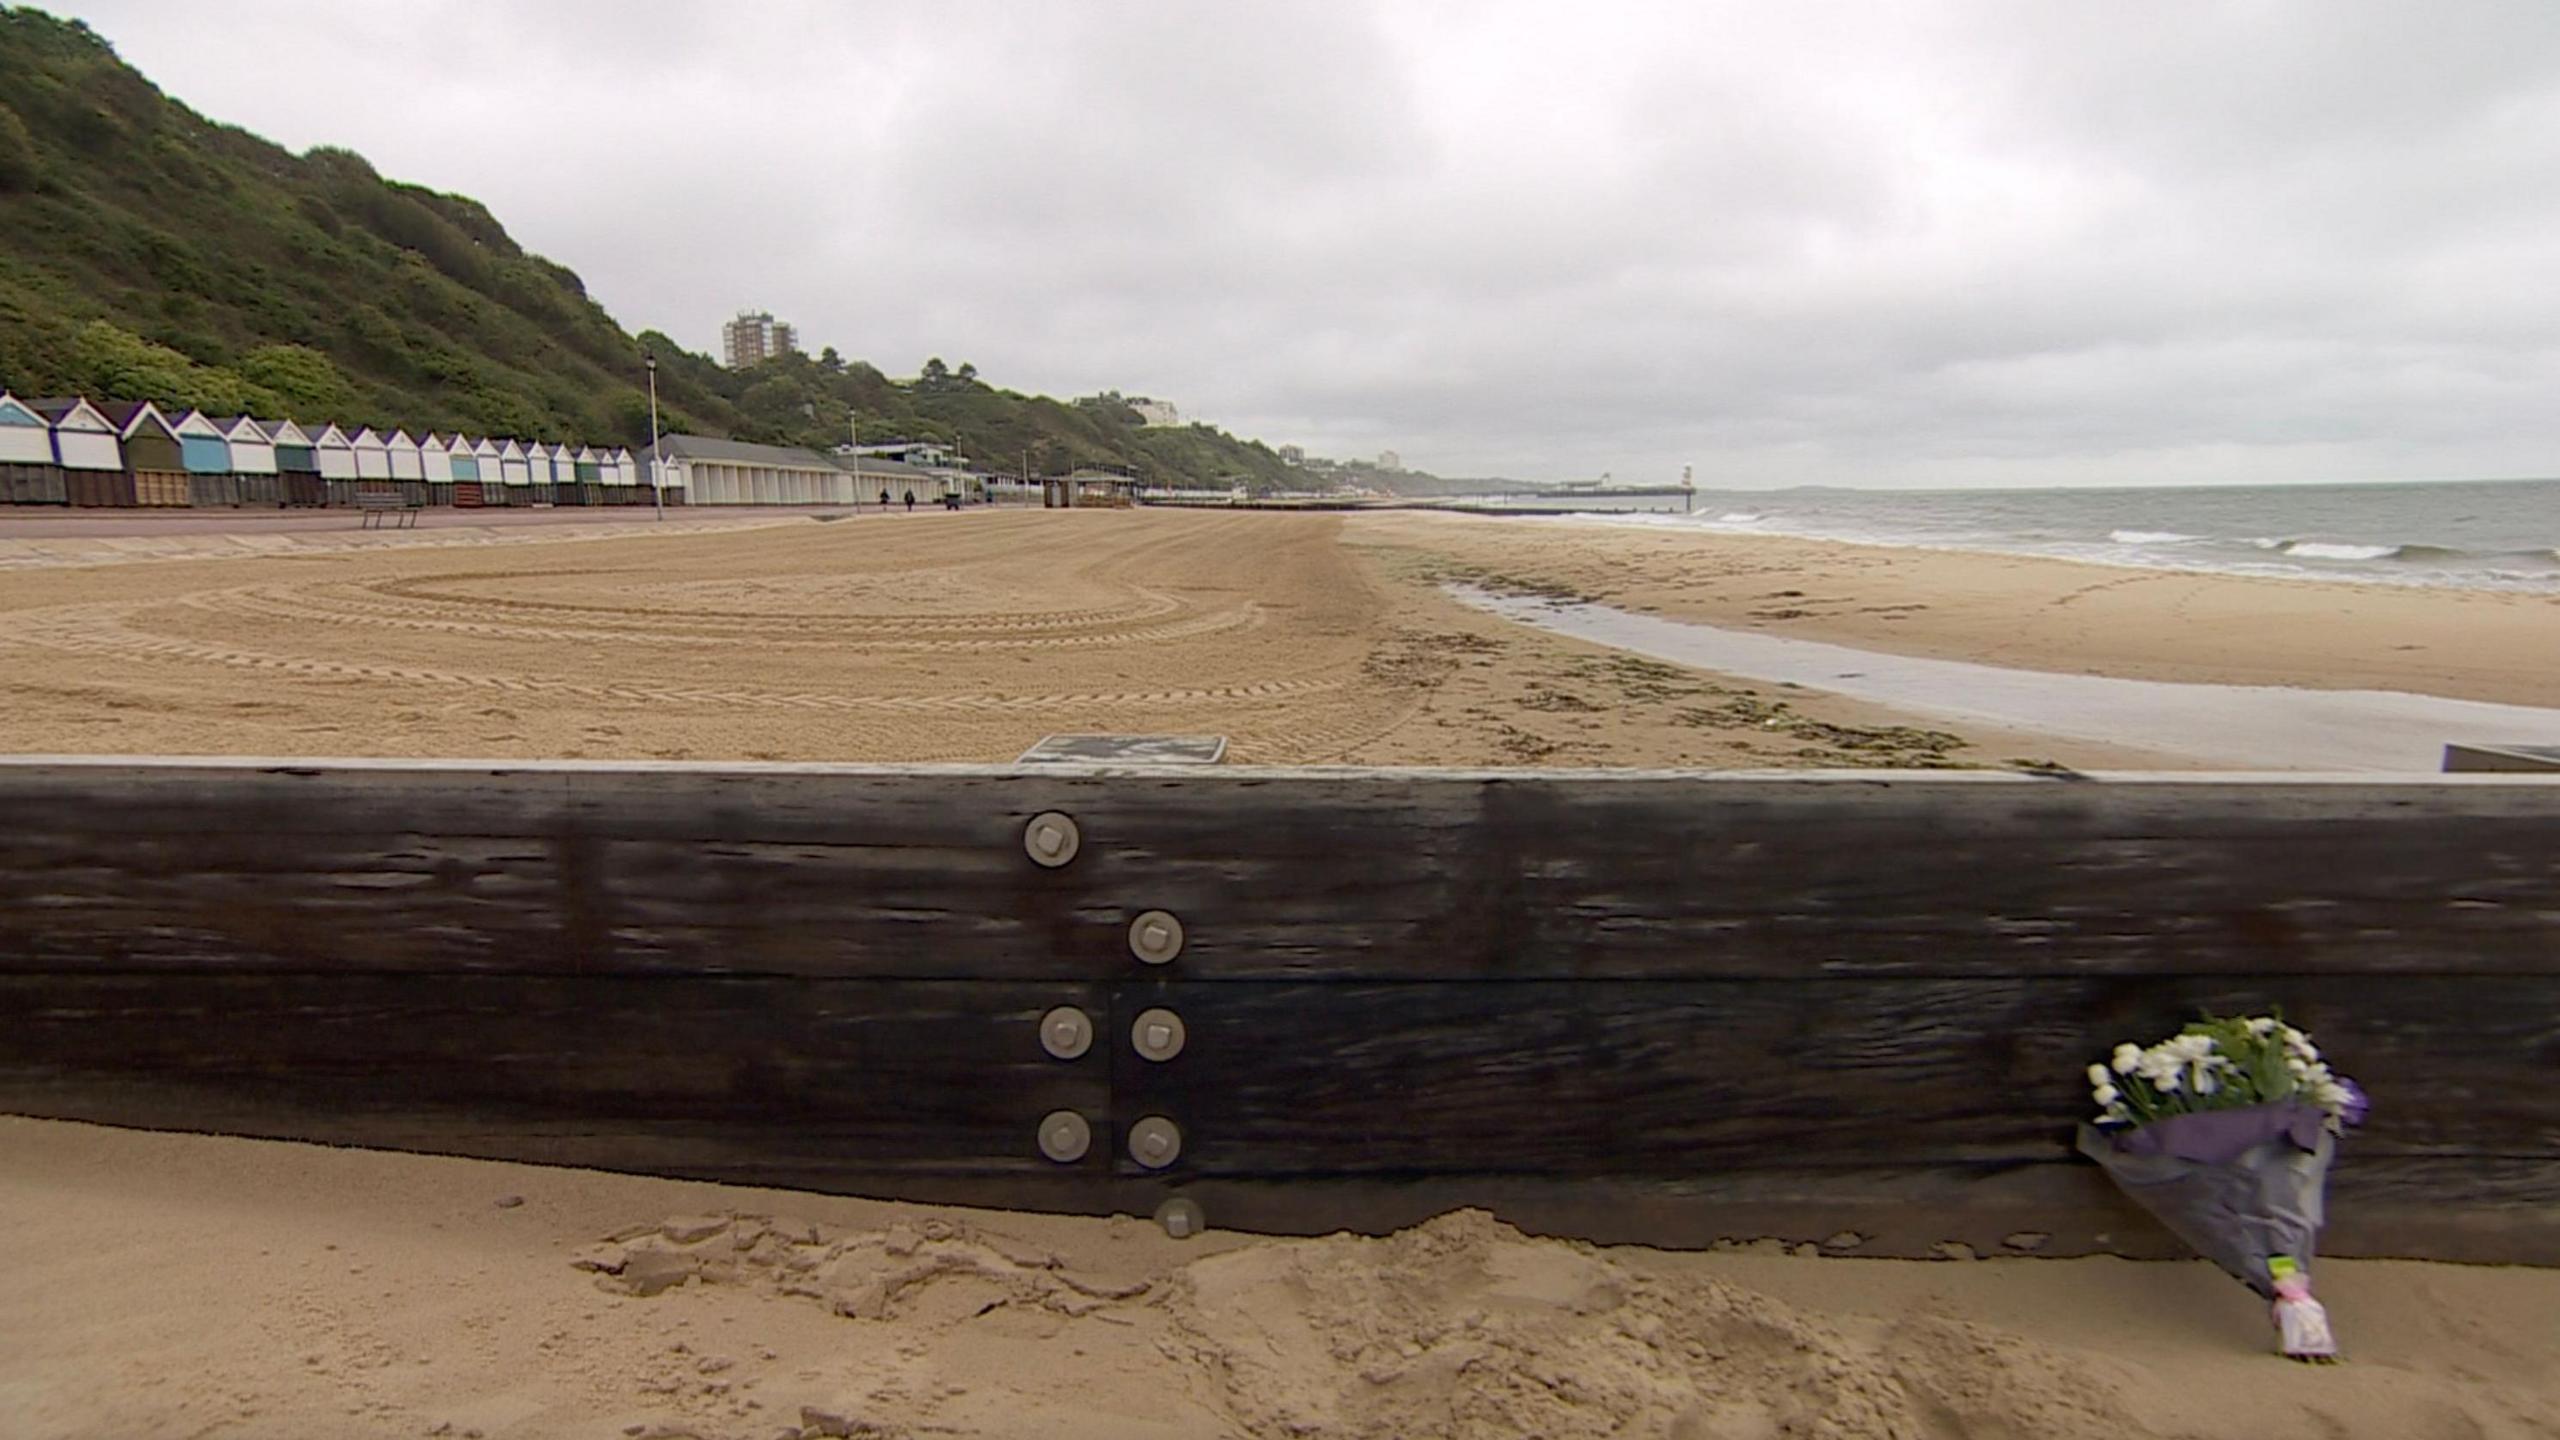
{"x": 657, "y": 447}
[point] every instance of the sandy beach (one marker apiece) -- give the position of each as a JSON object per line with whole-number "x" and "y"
{"x": 188, "y": 1285}
{"x": 1307, "y": 639}
{"x": 178, "y": 1285}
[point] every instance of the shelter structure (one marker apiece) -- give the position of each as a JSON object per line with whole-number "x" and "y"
{"x": 408, "y": 457}
{"x": 335, "y": 454}
{"x": 373, "y": 456}
{"x": 205, "y": 455}
{"x": 408, "y": 466}
{"x": 84, "y": 446}
{"x": 253, "y": 461}
{"x": 735, "y": 472}
{"x": 514, "y": 466}
{"x": 436, "y": 459}
{"x": 1088, "y": 490}
{"x": 150, "y": 445}
{"x": 544, "y": 480}
{"x": 297, "y": 464}
{"x": 484, "y": 458}
{"x": 29, "y": 474}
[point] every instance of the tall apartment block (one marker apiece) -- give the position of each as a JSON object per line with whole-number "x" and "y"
{"x": 755, "y": 337}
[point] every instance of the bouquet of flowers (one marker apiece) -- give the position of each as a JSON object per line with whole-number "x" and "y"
{"x": 2225, "y": 1131}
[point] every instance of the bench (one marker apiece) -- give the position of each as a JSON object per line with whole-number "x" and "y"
{"x": 382, "y": 507}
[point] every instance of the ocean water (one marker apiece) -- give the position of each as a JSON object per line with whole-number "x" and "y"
{"x": 2487, "y": 534}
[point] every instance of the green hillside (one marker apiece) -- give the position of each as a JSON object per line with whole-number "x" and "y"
{"x": 149, "y": 253}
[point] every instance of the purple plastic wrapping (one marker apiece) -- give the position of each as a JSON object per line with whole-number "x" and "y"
{"x": 2240, "y": 1186}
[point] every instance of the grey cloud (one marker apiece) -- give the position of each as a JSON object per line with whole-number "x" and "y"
{"x": 1931, "y": 243}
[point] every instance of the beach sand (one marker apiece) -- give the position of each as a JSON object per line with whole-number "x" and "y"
{"x": 180, "y": 1285}
{"x": 1307, "y": 639}
{"x": 2024, "y": 612}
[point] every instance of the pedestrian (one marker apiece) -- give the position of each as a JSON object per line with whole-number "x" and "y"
{"x": 911, "y": 502}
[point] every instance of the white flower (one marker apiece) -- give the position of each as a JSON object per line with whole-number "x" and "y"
{"x": 2204, "y": 1081}
{"x": 2166, "y": 1082}
{"x": 2127, "y": 1057}
{"x": 2107, "y": 1095}
{"x": 2262, "y": 1026}
{"x": 2098, "y": 1075}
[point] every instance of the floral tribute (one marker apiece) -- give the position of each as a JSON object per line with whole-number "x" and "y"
{"x": 2225, "y": 1132}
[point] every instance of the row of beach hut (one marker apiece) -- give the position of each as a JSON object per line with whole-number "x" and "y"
{"x": 128, "y": 453}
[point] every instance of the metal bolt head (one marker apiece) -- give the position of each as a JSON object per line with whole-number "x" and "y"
{"x": 1181, "y": 1217}
{"x": 1158, "y": 1034}
{"x": 1051, "y": 839}
{"x": 1155, "y": 1142}
{"x": 1155, "y": 937}
{"x": 1064, "y": 1136}
{"x": 1066, "y": 1032}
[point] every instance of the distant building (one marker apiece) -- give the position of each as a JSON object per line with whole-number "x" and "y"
{"x": 755, "y": 337}
{"x": 1390, "y": 461}
{"x": 924, "y": 454}
{"x": 1156, "y": 412}
{"x": 1292, "y": 455}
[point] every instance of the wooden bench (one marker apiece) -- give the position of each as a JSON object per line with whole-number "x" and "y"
{"x": 381, "y": 507}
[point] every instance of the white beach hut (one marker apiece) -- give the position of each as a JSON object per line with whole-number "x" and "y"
{"x": 622, "y": 477}
{"x": 433, "y": 459}
{"x": 83, "y": 437}
{"x": 485, "y": 457}
{"x": 513, "y": 466}
{"x": 408, "y": 463}
{"x": 335, "y": 453}
{"x": 373, "y": 456}
{"x": 25, "y": 438}
{"x": 253, "y": 451}
{"x": 26, "y": 441}
{"x": 29, "y": 474}
{"x": 253, "y": 461}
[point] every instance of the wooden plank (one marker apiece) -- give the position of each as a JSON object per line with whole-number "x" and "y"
{"x": 796, "y": 1081}
{"x": 1680, "y": 1078}
{"x": 850, "y": 872}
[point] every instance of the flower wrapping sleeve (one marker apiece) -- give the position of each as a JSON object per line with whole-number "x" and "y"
{"x": 2243, "y": 1190}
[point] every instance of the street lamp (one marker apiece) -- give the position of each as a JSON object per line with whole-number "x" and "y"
{"x": 657, "y": 448}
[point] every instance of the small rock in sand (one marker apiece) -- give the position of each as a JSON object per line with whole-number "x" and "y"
{"x": 508, "y": 1202}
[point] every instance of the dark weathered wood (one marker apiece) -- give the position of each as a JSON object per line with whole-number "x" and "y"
{"x": 1666, "y": 1007}
{"x": 787, "y": 1080}
{"x": 1684, "y": 1077}
{"x": 854, "y": 872}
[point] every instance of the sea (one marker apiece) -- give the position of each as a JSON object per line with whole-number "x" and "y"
{"x": 2489, "y": 534}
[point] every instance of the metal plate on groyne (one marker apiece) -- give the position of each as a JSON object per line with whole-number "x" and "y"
{"x": 1632, "y": 1006}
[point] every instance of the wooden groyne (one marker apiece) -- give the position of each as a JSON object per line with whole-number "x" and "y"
{"x": 1630, "y": 1006}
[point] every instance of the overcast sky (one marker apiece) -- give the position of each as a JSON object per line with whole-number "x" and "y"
{"x": 1876, "y": 244}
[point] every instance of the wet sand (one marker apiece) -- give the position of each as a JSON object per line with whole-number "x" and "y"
{"x": 2020, "y": 612}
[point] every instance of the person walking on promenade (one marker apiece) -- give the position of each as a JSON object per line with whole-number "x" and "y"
{"x": 911, "y": 502}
